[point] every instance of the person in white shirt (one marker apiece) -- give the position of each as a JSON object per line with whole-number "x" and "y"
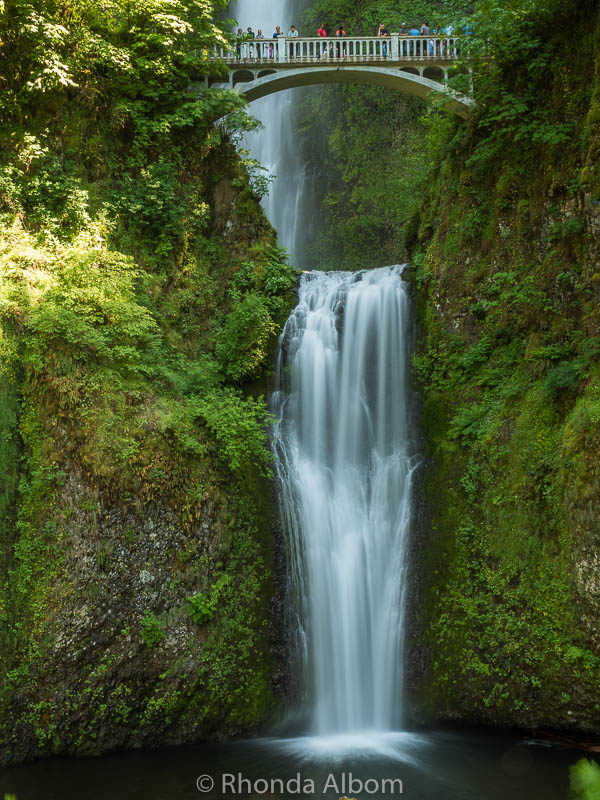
{"x": 259, "y": 35}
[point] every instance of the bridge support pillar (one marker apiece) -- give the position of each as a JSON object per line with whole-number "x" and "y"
{"x": 281, "y": 51}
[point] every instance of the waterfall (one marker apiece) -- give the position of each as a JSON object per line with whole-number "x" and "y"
{"x": 343, "y": 440}
{"x": 276, "y": 147}
{"x": 345, "y": 462}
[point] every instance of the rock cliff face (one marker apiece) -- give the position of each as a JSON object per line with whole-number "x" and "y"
{"x": 506, "y": 252}
{"x": 141, "y": 294}
{"x": 139, "y": 530}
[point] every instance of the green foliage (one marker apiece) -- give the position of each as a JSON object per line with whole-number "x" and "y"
{"x": 468, "y": 423}
{"x": 508, "y": 365}
{"x": 364, "y": 18}
{"x": 242, "y": 343}
{"x": 45, "y": 188}
{"x": 146, "y": 48}
{"x": 258, "y": 307}
{"x": 9, "y": 437}
{"x": 565, "y": 376}
{"x": 135, "y": 307}
{"x": 90, "y": 290}
{"x": 515, "y": 52}
{"x": 203, "y": 606}
{"x": 152, "y": 630}
{"x": 239, "y": 427}
{"x": 235, "y": 681}
{"x": 584, "y": 781}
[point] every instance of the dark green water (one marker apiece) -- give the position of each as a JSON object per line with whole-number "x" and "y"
{"x": 438, "y": 765}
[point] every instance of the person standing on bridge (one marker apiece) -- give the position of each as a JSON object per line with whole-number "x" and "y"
{"x": 404, "y": 32}
{"x": 425, "y": 31}
{"x": 275, "y": 48}
{"x": 340, "y": 33}
{"x": 239, "y": 39}
{"x": 383, "y": 31}
{"x": 259, "y": 35}
{"x": 250, "y": 41}
{"x": 292, "y": 34}
{"x": 437, "y": 31}
{"x": 322, "y": 34}
{"x": 431, "y": 42}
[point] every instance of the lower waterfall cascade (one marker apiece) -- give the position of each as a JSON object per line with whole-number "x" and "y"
{"x": 346, "y": 458}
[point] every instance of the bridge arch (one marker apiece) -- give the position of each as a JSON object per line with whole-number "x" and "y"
{"x": 434, "y": 74}
{"x": 241, "y": 76}
{"x": 263, "y": 83}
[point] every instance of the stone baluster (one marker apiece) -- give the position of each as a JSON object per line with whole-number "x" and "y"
{"x": 281, "y": 49}
{"x": 368, "y": 48}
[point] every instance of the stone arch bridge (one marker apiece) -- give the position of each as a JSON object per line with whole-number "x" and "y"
{"x": 416, "y": 65}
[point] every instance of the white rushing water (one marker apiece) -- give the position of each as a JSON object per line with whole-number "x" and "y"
{"x": 345, "y": 463}
{"x": 276, "y": 147}
{"x": 344, "y": 444}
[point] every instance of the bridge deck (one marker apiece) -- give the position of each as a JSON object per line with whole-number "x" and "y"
{"x": 267, "y": 63}
{"x": 414, "y": 64}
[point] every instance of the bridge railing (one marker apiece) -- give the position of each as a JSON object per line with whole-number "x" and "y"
{"x": 288, "y": 50}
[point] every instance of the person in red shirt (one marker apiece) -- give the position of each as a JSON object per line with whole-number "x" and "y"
{"x": 323, "y": 34}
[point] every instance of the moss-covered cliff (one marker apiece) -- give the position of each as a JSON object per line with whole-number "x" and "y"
{"x": 141, "y": 291}
{"x": 509, "y": 364}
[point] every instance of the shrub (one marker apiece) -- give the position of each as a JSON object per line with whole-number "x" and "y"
{"x": 585, "y": 781}
{"x": 242, "y": 342}
{"x": 203, "y": 606}
{"x": 152, "y": 629}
